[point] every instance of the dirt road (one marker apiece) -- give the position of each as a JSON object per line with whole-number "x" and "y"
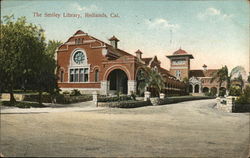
{"x": 188, "y": 129}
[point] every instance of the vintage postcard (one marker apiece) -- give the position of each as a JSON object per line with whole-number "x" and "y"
{"x": 123, "y": 78}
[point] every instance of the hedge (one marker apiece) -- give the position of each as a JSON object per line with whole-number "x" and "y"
{"x": 125, "y": 104}
{"x": 60, "y": 98}
{"x": 170, "y": 100}
{"x": 241, "y": 108}
{"x": 113, "y": 99}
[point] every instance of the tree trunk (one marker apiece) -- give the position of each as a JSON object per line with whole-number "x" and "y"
{"x": 40, "y": 97}
{"x": 12, "y": 98}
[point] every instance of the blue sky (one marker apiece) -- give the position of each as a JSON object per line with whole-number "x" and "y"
{"x": 215, "y": 32}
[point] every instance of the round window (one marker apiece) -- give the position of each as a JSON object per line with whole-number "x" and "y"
{"x": 79, "y": 57}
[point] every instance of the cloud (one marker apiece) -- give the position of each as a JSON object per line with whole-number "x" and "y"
{"x": 160, "y": 23}
{"x": 90, "y": 8}
{"x": 213, "y": 12}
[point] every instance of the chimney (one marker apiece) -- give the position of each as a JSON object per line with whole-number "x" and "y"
{"x": 138, "y": 54}
{"x": 204, "y": 67}
{"x": 113, "y": 41}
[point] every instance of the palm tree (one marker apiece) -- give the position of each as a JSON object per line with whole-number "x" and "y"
{"x": 150, "y": 80}
{"x": 221, "y": 76}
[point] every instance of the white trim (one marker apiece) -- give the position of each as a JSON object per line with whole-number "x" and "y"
{"x": 81, "y": 89}
{"x": 82, "y": 34}
{"x": 178, "y": 68}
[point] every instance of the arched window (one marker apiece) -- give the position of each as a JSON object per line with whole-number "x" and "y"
{"x": 96, "y": 75}
{"x": 61, "y": 76}
{"x": 79, "y": 68}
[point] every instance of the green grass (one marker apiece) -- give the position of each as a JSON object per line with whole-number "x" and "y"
{"x": 21, "y": 104}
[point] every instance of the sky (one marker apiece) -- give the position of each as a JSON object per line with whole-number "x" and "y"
{"x": 215, "y": 32}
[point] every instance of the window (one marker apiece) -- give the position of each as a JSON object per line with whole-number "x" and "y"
{"x": 61, "y": 76}
{"x": 86, "y": 75}
{"x": 96, "y": 75}
{"x": 178, "y": 74}
{"x": 79, "y": 75}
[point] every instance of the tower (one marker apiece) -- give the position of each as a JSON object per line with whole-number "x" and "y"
{"x": 180, "y": 64}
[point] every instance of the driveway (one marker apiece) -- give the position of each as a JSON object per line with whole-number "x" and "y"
{"x": 187, "y": 129}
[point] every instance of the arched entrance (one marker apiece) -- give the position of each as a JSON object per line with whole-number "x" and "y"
{"x": 196, "y": 88}
{"x": 205, "y": 90}
{"x": 117, "y": 81}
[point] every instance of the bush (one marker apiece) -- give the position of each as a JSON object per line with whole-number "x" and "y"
{"x": 113, "y": 99}
{"x": 75, "y": 92}
{"x": 66, "y": 92}
{"x": 235, "y": 91}
{"x": 170, "y": 100}
{"x": 125, "y": 104}
{"x": 244, "y": 98}
{"x": 22, "y": 104}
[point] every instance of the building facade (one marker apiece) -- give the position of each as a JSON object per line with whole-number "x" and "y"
{"x": 89, "y": 64}
{"x": 199, "y": 80}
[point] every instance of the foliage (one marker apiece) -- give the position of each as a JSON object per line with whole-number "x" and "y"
{"x": 244, "y": 97}
{"x": 248, "y": 79}
{"x": 125, "y": 104}
{"x": 133, "y": 96}
{"x": 66, "y": 93}
{"x": 170, "y": 100}
{"x": 235, "y": 91}
{"x": 23, "y": 59}
{"x": 51, "y": 47}
{"x": 114, "y": 99}
{"x": 22, "y": 45}
{"x": 150, "y": 79}
{"x": 22, "y": 104}
{"x": 75, "y": 92}
{"x": 222, "y": 76}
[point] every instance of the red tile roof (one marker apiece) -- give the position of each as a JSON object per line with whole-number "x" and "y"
{"x": 202, "y": 73}
{"x": 180, "y": 51}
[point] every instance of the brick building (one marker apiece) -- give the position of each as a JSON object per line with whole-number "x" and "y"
{"x": 89, "y": 64}
{"x": 199, "y": 80}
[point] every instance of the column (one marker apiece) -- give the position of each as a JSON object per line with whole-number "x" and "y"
{"x": 200, "y": 91}
{"x": 104, "y": 87}
{"x": 193, "y": 88}
{"x": 131, "y": 86}
{"x": 146, "y": 95}
{"x": 229, "y": 104}
{"x": 95, "y": 98}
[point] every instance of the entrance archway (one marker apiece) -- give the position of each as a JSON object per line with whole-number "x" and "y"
{"x": 118, "y": 81}
{"x": 205, "y": 90}
{"x": 196, "y": 88}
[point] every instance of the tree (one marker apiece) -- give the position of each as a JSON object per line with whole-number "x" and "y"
{"x": 51, "y": 47}
{"x": 21, "y": 46}
{"x": 248, "y": 79}
{"x": 222, "y": 76}
{"x": 151, "y": 80}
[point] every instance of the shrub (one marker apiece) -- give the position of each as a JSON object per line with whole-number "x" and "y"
{"x": 22, "y": 104}
{"x": 125, "y": 104}
{"x": 113, "y": 99}
{"x": 235, "y": 91}
{"x": 244, "y": 98}
{"x": 66, "y": 93}
{"x": 170, "y": 100}
{"x": 75, "y": 92}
